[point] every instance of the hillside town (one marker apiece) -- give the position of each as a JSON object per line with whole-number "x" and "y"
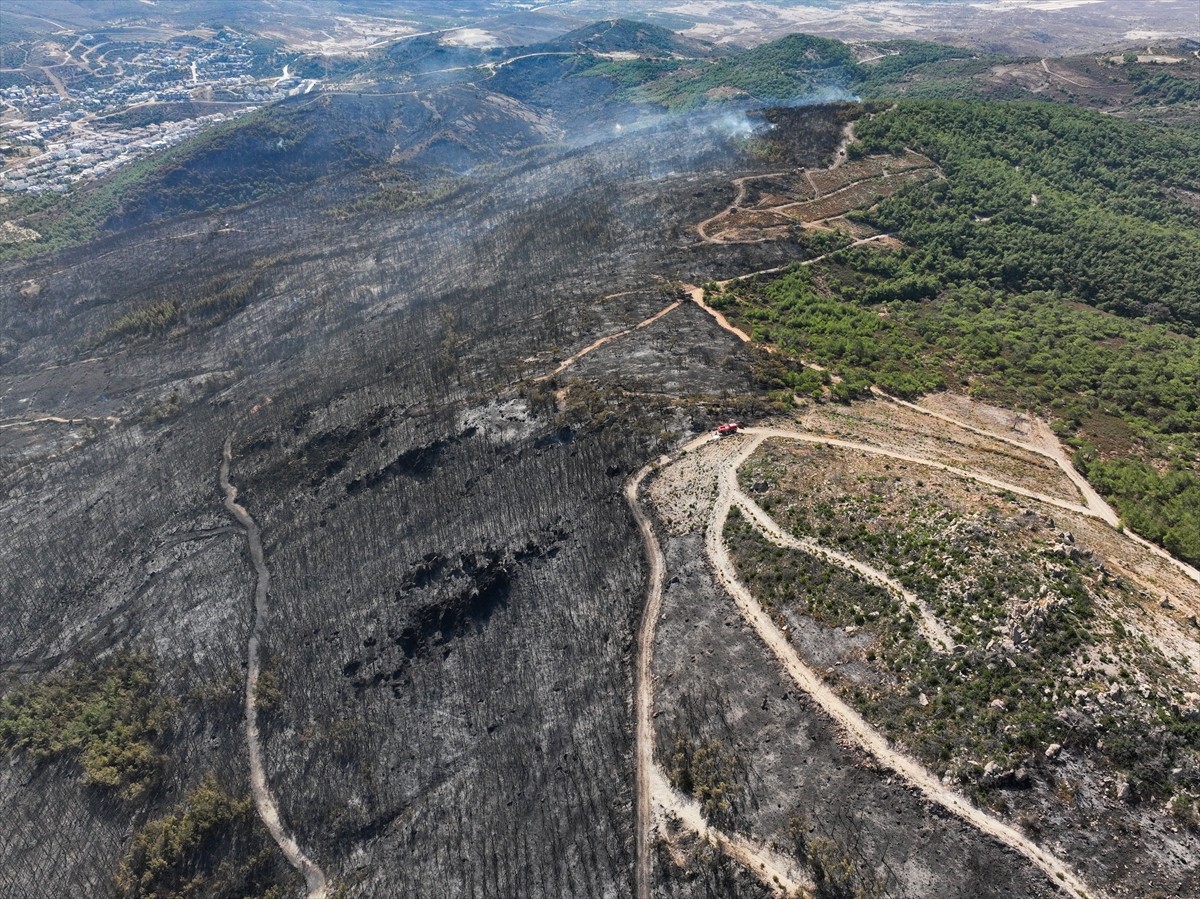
{"x": 107, "y": 103}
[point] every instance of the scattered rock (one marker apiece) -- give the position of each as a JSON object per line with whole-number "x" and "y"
{"x": 995, "y": 776}
{"x": 1126, "y": 792}
{"x": 923, "y": 699}
{"x": 1053, "y": 750}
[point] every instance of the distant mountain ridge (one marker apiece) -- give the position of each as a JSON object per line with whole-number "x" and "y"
{"x": 630, "y": 36}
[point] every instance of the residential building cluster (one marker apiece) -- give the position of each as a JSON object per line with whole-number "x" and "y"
{"x": 52, "y": 141}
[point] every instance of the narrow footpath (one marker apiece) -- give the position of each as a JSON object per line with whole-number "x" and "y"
{"x": 264, "y": 800}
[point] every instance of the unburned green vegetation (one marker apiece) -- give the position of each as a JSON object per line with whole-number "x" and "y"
{"x": 111, "y": 719}
{"x": 197, "y": 305}
{"x": 1054, "y": 268}
{"x": 707, "y": 771}
{"x": 211, "y": 845}
{"x": 789, "y": 580}
{"x": 1045, "y": 197}
{"x": 1039, "y": 658}
{"x": 782, "y": 70}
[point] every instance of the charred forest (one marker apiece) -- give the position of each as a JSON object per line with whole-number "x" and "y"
{"x": 325, "y": 571}
{"x": 455, "y": 577}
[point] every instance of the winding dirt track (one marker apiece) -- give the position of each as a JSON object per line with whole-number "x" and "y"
{"x": 846, "y": 717}
{"x": 596, "y": 344}
{"x": 56, "y": 419}
{"x": 841, "y": 154}
{"x": 653, "y": 794}
{"x": 650, "y": 783}
{"x": 928, "y": 463}
{"x": 738, "y": 200}
{"x": 782, "y": 875}
{"x": 697, "y": 295}
{"x": 264, "y": 801}
{"x": 927, "y": 622}
{"x": 1048, "y": 446}
{"x": 643, "y": 687}
{"x": 1053, "y": 74}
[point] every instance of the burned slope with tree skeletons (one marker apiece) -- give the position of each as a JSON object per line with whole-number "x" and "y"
{"x": 447, "y": 576}
{"x": 326, "y": 569}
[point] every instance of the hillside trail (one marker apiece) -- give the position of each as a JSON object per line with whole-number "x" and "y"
{"x": 927, "y": 622}
{"x": 697, "y": 293}
{"x": 1095, "y": 506}
{"x": 738, "y": 200}
{"x": 596, "y": 344}
{"x": 901, "y": 456}
{"x": 846, "y": 717}
{"x": 1043, "y": 443}
{"x": 264, "y": 800}
{"x": 849, "y": 185}
{"x": 653, "y": 794}
{"x": 697, "y": 296}
{"x": 643, "y": 686}
{"x": 781, "y": 874}
{"x": 840, "y": 155}
{"x": 1053, "y": 74}
{"x": 56, "y": 419}
{"x": 1047, "y": 445}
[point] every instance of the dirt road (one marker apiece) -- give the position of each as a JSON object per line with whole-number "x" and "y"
{"x": 1046, "y": 444}
{"x": 652, "y": 792}
{"x": 738, "y": 199}
{"x": 264, "y": 801}
{"x": 927, "y": 622}
{"x": 56, "y": 81}
{"x": 596, "y": 344}
{"x": 841, "y": 154}
{"x": 697, "y": 295}
{"x": 778, "y": 212}
{"x": 846, "y": 717}
{"x": 928, "y": 463}
{"x": 643, "y": 688}
{"x": 1053, "y": 74}
{"x": 56, "y": 419}
{"x": 782, "y": 874}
